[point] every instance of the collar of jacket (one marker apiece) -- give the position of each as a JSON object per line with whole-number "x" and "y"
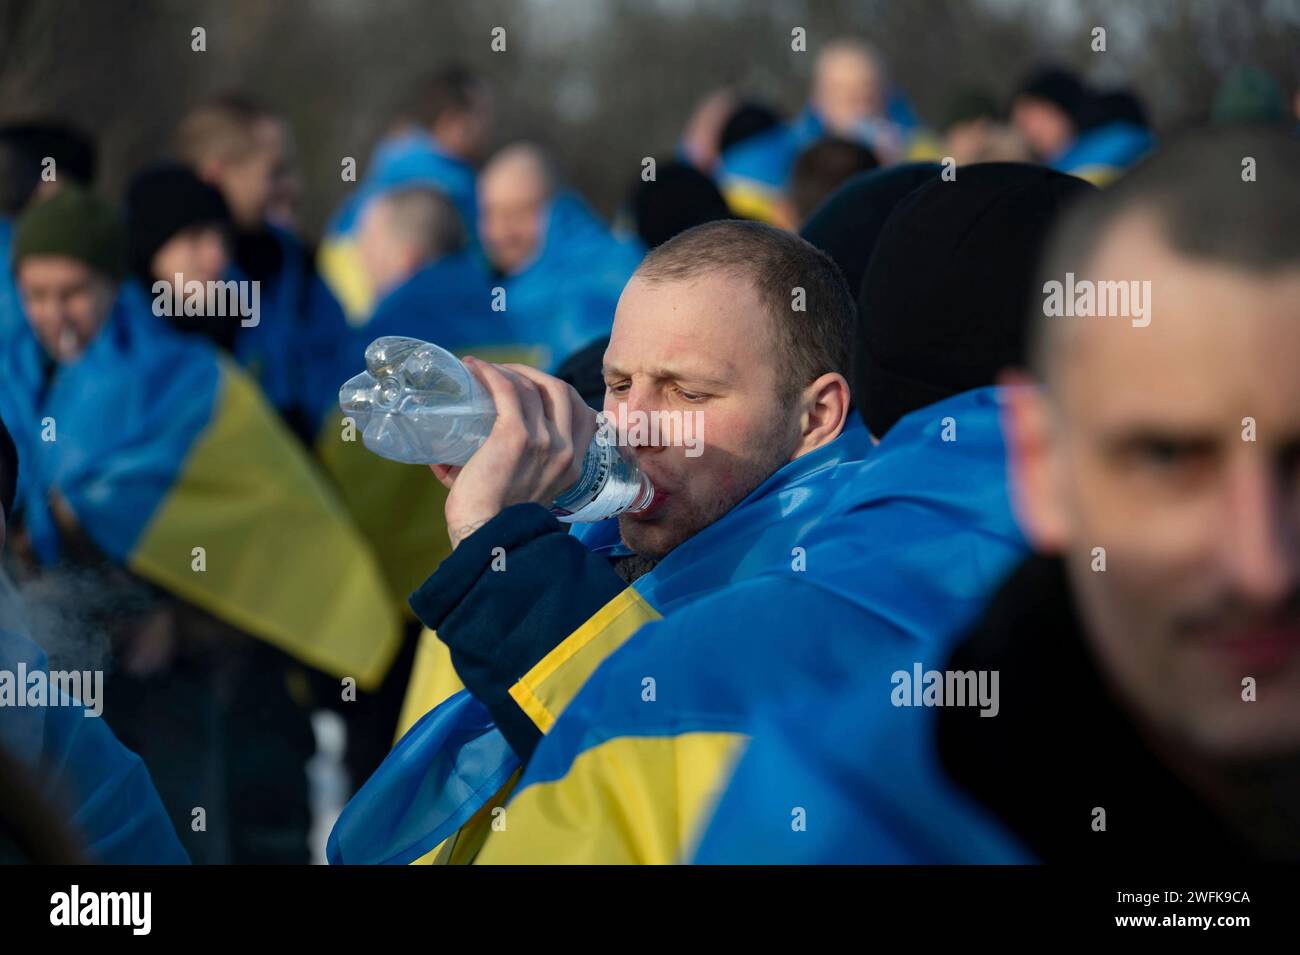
{"x": 1061, "y": 746}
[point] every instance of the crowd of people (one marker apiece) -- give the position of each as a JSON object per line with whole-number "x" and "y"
{"x": 955, "y": 578}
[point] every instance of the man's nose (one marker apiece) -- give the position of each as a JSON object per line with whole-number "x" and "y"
{"x": 640, "y": 404}
{"x": 1261, "y": 541}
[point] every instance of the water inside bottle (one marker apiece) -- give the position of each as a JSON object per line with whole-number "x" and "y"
{"x": 418, "y": 404}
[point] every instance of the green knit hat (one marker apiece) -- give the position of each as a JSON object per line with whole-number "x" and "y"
{"x": 76, "y": 224}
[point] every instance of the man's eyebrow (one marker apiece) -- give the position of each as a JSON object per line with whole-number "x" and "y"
{"x": 668, "y": 374}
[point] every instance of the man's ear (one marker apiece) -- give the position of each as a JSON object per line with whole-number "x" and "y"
{"x": 825, "y": 409}
{"x": 1033, "y": 462}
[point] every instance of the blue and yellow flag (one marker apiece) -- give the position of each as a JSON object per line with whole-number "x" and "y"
{"x": 399, "y": 507}
{"x": 410, "y": 158}
{"x": 754, "y": 174}
{"x": 174, "y": 466}
{"x": 566, "y": 297}
{"x": 1102, "y": 155}
{"x": 448, "y": 768}
{"x": 867, "y": 773}
{"x": 921, "y": 535}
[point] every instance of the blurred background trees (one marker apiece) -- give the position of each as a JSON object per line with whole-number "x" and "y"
{"x": 602, "y": 82}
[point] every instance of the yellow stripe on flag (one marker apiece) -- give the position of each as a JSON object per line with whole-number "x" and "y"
{"x": 339, "y": 265}
{"x": 632, "y": 800}
{"x": 545, "y": 690}
{"x": 280, "y": 557}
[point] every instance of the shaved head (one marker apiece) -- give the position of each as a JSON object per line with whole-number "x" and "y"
{"x": 403, "y": 230}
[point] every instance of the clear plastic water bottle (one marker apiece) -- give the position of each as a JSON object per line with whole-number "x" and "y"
{"x": 417, "y": 403}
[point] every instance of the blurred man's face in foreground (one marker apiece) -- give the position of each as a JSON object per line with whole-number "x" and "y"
{"x": 1142, "y": 450}
{"x": 512, "y": 211}
{"x": 66, "y": 303}
{"x": 706, "y": 345}
{"x": 198, "y": 254}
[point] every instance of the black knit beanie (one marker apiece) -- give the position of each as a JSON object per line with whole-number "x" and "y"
{"x": 162, "y": 201}
{"x": 847, "y": 225}
{"x": 1060, "y": 87}
{"x": 945, "y": 302}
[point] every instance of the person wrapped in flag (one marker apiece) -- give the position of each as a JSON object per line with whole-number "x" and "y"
{"x": 128, "y": 431}
{"x": 733, "y": 511}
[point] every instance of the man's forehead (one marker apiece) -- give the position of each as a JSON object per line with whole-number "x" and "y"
{"x": 712, "y": 322}
{"x": 1134, "y": 295}
{"x": 52, "y": 268}
{"x": 515, "y": 174}
{"x": 1218, "y": 343}
{"x": 700, "y": 368}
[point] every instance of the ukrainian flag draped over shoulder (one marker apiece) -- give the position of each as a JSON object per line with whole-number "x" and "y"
{"x": 410, "y": 158}
{"x": 452, "y": 762}
{"x": 175, "y": 466}
{"x": 922, "y": 533}
{"x": 1101, "y": 155}
{"x": 566, "y": 297}
{"x": 399, "y": 507}
{"x": 754, "y": 174}
{"x": 759, "y": 534}
{"x": 868, "y": 773}
{"x": 110, "y": 799}
{"x": 449, "y": 302}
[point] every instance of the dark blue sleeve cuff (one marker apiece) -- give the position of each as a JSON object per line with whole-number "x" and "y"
{"x": 500, "y": 611}
{"x": 456, "y": 576}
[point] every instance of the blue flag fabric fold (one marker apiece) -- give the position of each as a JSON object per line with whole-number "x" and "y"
{"x": 450, "y": 763}
{"x": 438, "y": 775}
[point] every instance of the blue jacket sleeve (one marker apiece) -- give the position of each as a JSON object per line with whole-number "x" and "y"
{"x": 116, "y": 808}
{"x": 508, "y": 595}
